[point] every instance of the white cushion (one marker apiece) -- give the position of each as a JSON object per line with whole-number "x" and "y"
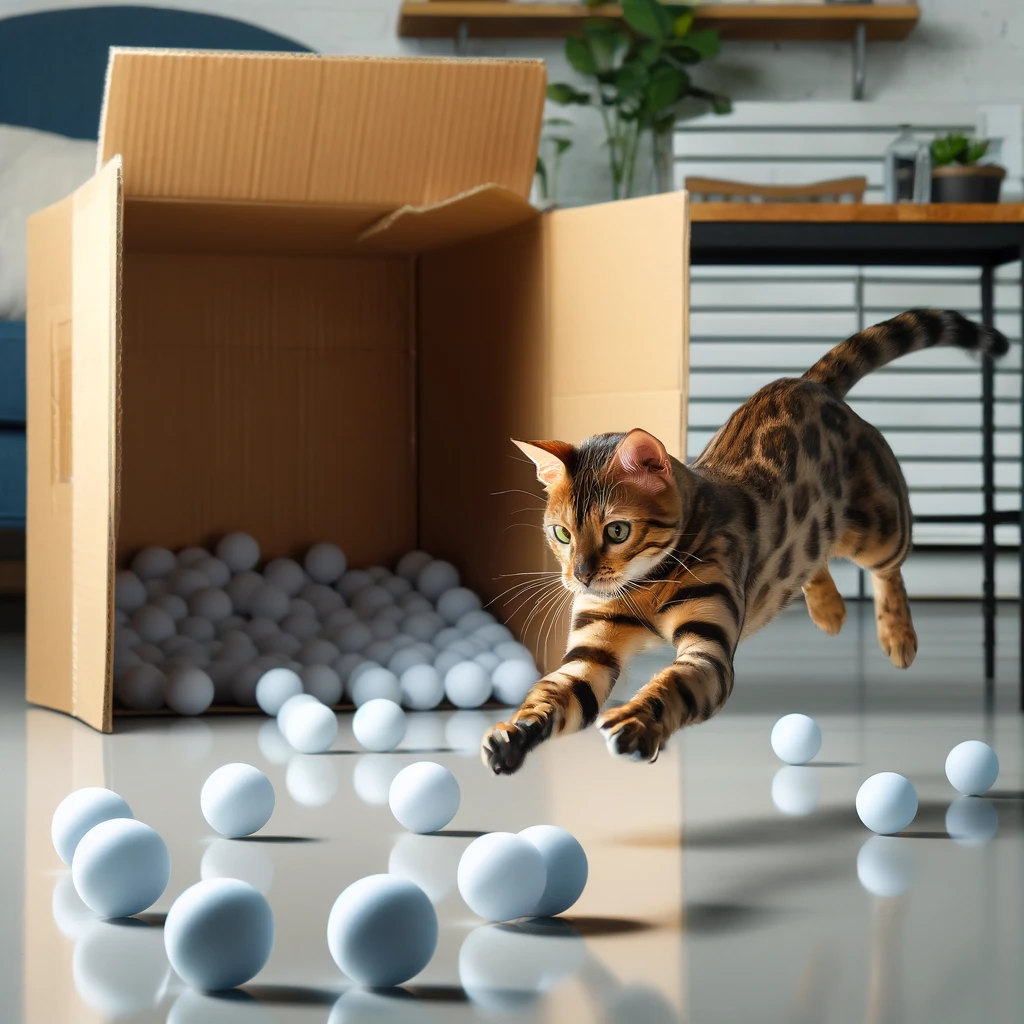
{"x": 36, "y": 169}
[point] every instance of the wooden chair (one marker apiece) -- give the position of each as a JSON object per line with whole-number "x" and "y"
{"x": 839, "y": 190}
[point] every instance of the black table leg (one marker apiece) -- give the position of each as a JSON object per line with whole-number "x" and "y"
{"x": 988, "y": 486}
{"x": 1020, "y": 547}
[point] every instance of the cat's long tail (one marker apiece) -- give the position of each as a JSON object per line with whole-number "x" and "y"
{"x": 912, "y": 331}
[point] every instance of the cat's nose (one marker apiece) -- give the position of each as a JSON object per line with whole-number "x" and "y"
{"x": 584, "y": 572}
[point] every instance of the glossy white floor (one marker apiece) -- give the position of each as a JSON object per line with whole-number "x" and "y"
{"x": 706, "y": 902}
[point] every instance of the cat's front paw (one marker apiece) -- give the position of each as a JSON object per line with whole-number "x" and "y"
{"x": 631, "y": 732}
{"x": 505, "y": 746}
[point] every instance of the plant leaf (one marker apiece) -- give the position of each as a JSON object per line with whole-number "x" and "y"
{"x": 976, "y": 150}
{"x": 607, "y": 44}
{"x": 558, "y": 122}
{"x": 668, "y": 85}
{"x": 706, "y": 42}
{"x": 562, "y": 92}
{"x": 561, "y": 145}
{"x": 647, "y": 18}
{"x": 719, "y": 104}
{"x": 631, "y": 79}
{"x": 682, "y": 23}
{"x": 579, "y": 54}
{"x": 649, "y": 53}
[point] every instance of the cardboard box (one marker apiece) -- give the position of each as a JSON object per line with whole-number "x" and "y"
{"x": 307, "y": 297}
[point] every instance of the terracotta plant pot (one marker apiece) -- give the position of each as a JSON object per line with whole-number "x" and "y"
{"x": 956, "y": 183}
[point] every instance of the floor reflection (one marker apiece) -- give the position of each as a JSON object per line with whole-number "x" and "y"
{"x": 249, "y": 862}
{"x": 972, "y": 821}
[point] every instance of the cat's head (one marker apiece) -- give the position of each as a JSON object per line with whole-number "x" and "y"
{"x": 613, "y": 507}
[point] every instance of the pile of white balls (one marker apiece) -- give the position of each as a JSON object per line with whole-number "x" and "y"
{"x": 382, "y": 930}
{"x": 886, "y": 802}
{"x": 197, "y": 628}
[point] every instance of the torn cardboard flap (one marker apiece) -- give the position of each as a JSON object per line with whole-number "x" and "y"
{"x": 302, "y": 128}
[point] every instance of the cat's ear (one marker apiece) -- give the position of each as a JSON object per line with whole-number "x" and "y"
{"x": 641, "y": 460}
{"x": 549, "y": 457}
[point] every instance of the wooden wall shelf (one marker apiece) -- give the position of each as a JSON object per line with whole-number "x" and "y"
{"x": 490, "y": 19}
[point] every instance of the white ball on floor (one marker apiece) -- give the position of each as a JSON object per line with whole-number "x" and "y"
{"x": 972, "y": 767}
{"x": 886, "y": 803}
{"x": 424, "y": 797}
{"x": 457, "y": 602}
{"x": 325, "y": 563}
{"x": 185, "y": 581}
{"x": 352, "y": 582}
{"x": 410, "y": 564}
{"x": 219, "y": 934}
{"x": 285, "y": 573}
{"x": 509, "y": 650}
{"x": 153, "y": 624}
{"x": 189, "y": 691}
{"x": 422, "y": 687}
{"x": 565, "y": 863}
{"x": 322, "y": 682}
{"x": 972, "y": 821}
{"x": 120, "y": 867}
{"x": 211, "y": 603}
{"x": 382, "y": 931}
{"x": 796, "y": 790}
{"x": 80, "y": 811}
{"x": 141, "y": 688}
{"x": 129, "y": 592}
{"x": 435, "y": 578}
{"x": 467, "y": 685}
{"x": 379, "y": 725}
{"x": 350, "y": 639}
{"x": 268, "y": 601}
{"x": 472, "y": 621}
{"x": 886, "y": 865}
{"x": 374, "y": 683}
{"x": 239, "y": 552}
{"x": 501, "y": 876}
{"x": 311, "y": 728}
{"x": 275, "y": 687}
{"x": 237, "y": 800}
{"x": 291, "y": 705}
{"x": 512, "y": 681}
{"x": 153, "y": 563}
{"x": 796, "y": 739}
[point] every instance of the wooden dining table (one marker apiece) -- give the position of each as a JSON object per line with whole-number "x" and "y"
{"x": 979, "y": 235}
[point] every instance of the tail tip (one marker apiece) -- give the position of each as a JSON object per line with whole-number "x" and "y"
{"x": 994, "y": 342}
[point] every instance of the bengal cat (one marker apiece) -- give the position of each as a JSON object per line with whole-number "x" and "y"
{"x": 705, "y": 555}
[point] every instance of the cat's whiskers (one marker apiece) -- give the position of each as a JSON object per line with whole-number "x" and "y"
{"x": 544, "y": 602}
{"x": 521, "y": 587}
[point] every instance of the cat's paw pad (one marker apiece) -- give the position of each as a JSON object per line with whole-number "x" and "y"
{"x": 828, "y": 615}
{"x": 899, "y": 641}
{"x": 505, "y": 746}
{"x": 632, "y": 734}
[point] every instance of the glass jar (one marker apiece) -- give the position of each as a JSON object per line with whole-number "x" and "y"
{"x": 908, "y": 169}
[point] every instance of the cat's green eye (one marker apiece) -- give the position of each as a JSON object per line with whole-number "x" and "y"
{"x": 617, "y": 532}
{"x": 561, "y": 534}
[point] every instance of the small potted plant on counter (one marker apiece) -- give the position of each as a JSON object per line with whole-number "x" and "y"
{"x": 957, "y": 174}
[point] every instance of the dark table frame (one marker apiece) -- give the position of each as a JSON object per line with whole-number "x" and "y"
{"x": 843, "y": 236}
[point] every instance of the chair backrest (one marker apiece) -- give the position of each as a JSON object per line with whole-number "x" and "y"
{"x": 838, "y": 190}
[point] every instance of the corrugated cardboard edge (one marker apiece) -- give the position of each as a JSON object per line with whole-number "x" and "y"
{"x": 115, "y": 51}
{"x": 394, "y": 232}
{"x": 115, "y": 454}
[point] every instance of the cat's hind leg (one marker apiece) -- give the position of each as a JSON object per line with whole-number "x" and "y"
{"x": 825, "y": 604}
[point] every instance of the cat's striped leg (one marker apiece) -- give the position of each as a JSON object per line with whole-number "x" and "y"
{"x": 568, "y": 699}
{"x": 704, "y": 621}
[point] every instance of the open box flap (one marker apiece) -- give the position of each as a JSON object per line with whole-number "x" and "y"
{"x": 481, "y": 211}
{"x": 618, "y": 288}
{"x": 74, "y": 298}
{"x": 307, "y": 128}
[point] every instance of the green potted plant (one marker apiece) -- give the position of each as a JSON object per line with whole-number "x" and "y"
{"x": 549, "y": 161}
{"x": 958, "y": 176}
{"x": 636, "y": 79}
